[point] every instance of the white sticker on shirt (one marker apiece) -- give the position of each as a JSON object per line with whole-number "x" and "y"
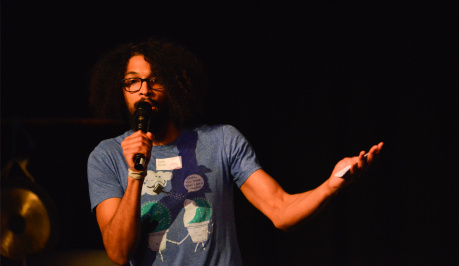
{"x": 169, "y": 163}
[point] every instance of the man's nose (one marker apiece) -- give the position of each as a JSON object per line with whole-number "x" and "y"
{"x": 145, "y": 89}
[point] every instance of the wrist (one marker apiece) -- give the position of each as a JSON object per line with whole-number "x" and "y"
{"x": 328, "y": 190}
{"x": 139, "y": 175}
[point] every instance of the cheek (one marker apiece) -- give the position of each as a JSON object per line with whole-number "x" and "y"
{"x": 164, "y": 99}
{"x": 129, "y": 103}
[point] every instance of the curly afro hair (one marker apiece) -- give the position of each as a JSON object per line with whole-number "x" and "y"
{"x": 177, "y": 69}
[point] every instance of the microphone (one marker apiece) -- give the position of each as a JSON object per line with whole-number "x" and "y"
{"x": 142, "y": 117}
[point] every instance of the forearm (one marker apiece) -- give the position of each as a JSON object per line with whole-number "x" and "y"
{"x": 283, "y": 209}
{"x": 298, "y": 208}
{"x": 122, "y": 233}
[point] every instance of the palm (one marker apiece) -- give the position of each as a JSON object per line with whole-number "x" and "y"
{"x": 359, "y": 166}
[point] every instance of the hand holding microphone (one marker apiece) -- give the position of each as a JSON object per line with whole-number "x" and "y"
{"x": 138, "y": 145}
{"x": 142, "y": 117}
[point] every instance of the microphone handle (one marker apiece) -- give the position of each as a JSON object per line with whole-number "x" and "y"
{"x": 139, "y": 162}
{"x": 142, "y": 120}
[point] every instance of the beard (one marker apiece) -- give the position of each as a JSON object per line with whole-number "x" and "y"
{"x": 159, "y": 116}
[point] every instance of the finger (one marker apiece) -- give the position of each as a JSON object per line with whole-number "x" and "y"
{"x": 150, "y": 135}
{"x": 136, "y": 138}
{"x": 138, "y": 145}
{"x": 131, "y": 139}
{"x": 354, "y": 169}
{"x": 130, "y": 153}
{"x": 374, "y": 152}
{"x": 135, "y": 134}
{"x": 362, "y": 160}
{"x": 380, "y": 145}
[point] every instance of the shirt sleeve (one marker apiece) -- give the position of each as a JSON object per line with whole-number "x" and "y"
{"x": 103, "y": 179}
{"x": 241, "y": 156}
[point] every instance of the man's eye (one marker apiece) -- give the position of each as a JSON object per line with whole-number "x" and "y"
{"x": 131, "y": 81}
{"x": 151, "y": 82}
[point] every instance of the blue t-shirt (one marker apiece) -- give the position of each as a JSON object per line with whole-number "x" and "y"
{"x": 187, "y": 201}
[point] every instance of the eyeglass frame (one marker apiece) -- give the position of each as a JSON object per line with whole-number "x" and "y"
{"x": 152, "y": 79}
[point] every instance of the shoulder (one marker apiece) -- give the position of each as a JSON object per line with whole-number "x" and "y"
{"x": 214, "y": 135}
{"x": 221, "y": 129}
{"x": 109, "y": 145}
{"x": 221, "y": 135}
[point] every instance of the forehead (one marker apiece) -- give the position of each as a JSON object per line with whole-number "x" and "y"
{"x": 138, "y": 66}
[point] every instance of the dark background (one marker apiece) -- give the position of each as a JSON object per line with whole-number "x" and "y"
{"x": 307, "y": 84}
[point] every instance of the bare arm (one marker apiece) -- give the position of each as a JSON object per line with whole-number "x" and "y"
{"x": 286, "y": 210}
{"x": 119, "y": 222}
{"x": 119, "y": 218}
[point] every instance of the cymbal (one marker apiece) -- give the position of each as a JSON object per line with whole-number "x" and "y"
{"x": 25, "y": 223}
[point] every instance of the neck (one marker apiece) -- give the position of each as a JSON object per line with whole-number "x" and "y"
{"x": 166, "y": 134}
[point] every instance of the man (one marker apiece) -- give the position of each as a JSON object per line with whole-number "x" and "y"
{"x": 179, "y": 208}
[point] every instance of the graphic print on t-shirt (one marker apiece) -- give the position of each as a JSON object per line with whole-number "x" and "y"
{"x": 198, "y": 214}
{"x": 156, "y": 213}
{"x": 155, "y": 183}
{"x": 181, "y": 193}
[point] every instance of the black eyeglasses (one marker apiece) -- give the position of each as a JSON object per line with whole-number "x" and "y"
{"x": 135, "y": 84}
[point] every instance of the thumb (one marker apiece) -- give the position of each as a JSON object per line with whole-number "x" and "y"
{"x": 149, "y": 135}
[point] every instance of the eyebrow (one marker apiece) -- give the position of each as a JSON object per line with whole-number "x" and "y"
{"x": 135, "y": 74}
{"x": 131, "y": 73}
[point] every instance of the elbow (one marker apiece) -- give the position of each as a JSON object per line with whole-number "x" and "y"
{"x": 281, "y": 225}
{"x": 280, "y": 219}
{"x": 287, "y": 228}
{"x": 118, "y": 255}
{"x": 119, "y": 251}
{"x": 117, "y": 258}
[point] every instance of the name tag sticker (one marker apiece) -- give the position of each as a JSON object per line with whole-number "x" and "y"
{"x": 169, "y": 163}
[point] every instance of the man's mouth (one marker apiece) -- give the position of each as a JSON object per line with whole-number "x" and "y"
{"x": 153, "y": 103}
